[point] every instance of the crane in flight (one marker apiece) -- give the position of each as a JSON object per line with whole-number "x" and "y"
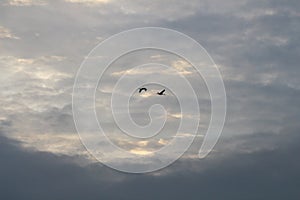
{"x": 161, "y": 92}
{"x": 142, "y": 89}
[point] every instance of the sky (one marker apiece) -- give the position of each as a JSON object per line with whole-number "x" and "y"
{"x": 254, "y": 43}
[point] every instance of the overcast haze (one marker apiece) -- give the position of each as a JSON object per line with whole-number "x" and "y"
{"x": 255, "y": 44}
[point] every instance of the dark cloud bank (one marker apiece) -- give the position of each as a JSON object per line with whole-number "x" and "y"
{"x": 265, "y": 174}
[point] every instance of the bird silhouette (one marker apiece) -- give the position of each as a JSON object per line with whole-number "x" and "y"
{"x": 142, "y": 89}
{"x": 161, "y": 92}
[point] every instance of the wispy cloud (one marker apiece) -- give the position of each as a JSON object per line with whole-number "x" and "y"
{"x": 27, "y": 2}
{"x": 5, "y": 33}
{"x": 89, "y": 2}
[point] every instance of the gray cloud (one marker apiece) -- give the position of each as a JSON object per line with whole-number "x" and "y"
{"x": 255, "y": 44}
{"x": 257, "y": 57}
{"x": 264, "y": 174}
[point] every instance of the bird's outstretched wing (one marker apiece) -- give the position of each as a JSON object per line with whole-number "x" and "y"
{"x": 141, "y": 89}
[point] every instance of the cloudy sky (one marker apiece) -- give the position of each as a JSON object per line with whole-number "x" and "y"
{"x": 254, "y": 43}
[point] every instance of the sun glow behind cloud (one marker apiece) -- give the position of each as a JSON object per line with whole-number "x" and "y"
{"x": 140, "y": 151}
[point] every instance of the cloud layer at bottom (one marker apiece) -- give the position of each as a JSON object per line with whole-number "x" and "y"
{"x": 266, "y": 174}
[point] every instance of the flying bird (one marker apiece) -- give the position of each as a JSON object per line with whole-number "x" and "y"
{"x": 142, "y": 89}
{"x": 161, "y": 92}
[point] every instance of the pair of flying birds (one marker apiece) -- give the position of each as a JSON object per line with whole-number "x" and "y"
{"x": 145, "y": 89}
